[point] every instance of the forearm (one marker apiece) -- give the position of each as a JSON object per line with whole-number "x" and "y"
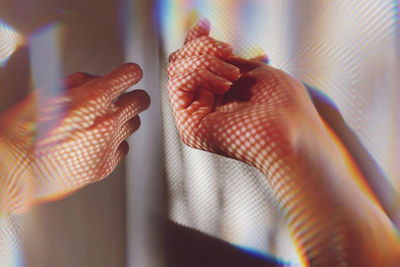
{"x": 265, "y": 118}
{"x": 372, "y": 237}
{"x": 331, "y": 215}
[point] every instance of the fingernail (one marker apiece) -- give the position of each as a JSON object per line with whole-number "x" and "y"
{"x": 204, "y": 24}
{"x": 230, "y": 68}
{"x": 225, "y": 48}
{"x": 228, "y": 83}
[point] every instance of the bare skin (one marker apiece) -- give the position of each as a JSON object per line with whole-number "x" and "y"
{"x": 69, "y": 140}
{"x": 249, "y": 111}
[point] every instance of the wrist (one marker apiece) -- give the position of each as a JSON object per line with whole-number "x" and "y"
{"x": 318, "y": 182}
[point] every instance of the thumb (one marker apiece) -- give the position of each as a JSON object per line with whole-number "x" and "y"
{"x": 262, "y": 58}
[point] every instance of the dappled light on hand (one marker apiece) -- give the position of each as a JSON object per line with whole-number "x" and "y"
{"x": 257, "y": 114}
{"x": 71, "y": 139}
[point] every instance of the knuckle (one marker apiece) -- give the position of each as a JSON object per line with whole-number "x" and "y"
{"x": 208, "y": 57}
{"x": 203, "y": 38}
{"x": 208, "y": 61}
{"x": 172, "y": 57}
{"x": 200, "y": 72}
{"x": 111, "y": 121}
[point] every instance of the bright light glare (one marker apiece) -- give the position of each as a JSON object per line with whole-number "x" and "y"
{"x": 9, "y": 41}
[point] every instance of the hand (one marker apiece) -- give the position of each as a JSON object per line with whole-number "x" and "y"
{"x": 252, "y": 112}
{"x": 52, "y": 145}
{"x": 232, "y": 106}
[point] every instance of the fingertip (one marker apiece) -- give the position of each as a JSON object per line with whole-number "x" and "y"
{"x": 228, "y": 83}
{"x": 202, "y": 28}
{"x": 204, "y": 24}
{"x": 118, "y": 80}
{"x": 123, "y": 149}
{"x": 224, "y": 88}
{"x": 132, "y": 103}
{"x": 144, "y": 98}
{"x": 126, "y": 75}
{"x": 231, "y": 72}
{"x": 136, "y": 121}
{"x": 133, "y": 69}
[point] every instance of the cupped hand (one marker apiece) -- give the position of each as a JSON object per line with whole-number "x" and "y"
{"x": 244, "y": 109}
{"x": 252, "y": 112}
{"x": 54, "y": 144}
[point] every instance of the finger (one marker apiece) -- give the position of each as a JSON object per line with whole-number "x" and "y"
{"x": 202, "y": 46}
{"x": 242, "y": 88}
{"x": 116, "y": 82}
{"x": 115, "y": 159}
{"x": 263, "y": 58}
{"x": 76, "y": 79}
{"x": 209, "y": 62}
{"x": 127, "y": 129}
{"x": 245, "y": 65}
{"x": 73, "y": 80}
{"x": 183, "y": 88}
{"x": 202, "y": 28}
{"x": 120, "y": 153}
{"x": 131, "y": 104}
{"x": 188, "y": 120}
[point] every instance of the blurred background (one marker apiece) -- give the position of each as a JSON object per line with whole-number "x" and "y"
{"x": 346, "y": 52}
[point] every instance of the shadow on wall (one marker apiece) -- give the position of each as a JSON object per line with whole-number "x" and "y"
{"x": 368, "y": 166}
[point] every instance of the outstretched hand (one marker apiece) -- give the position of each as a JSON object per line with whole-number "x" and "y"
{"x": 71, "y": 139}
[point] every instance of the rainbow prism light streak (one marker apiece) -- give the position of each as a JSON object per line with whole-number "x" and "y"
{"x": 9, "y": 41}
